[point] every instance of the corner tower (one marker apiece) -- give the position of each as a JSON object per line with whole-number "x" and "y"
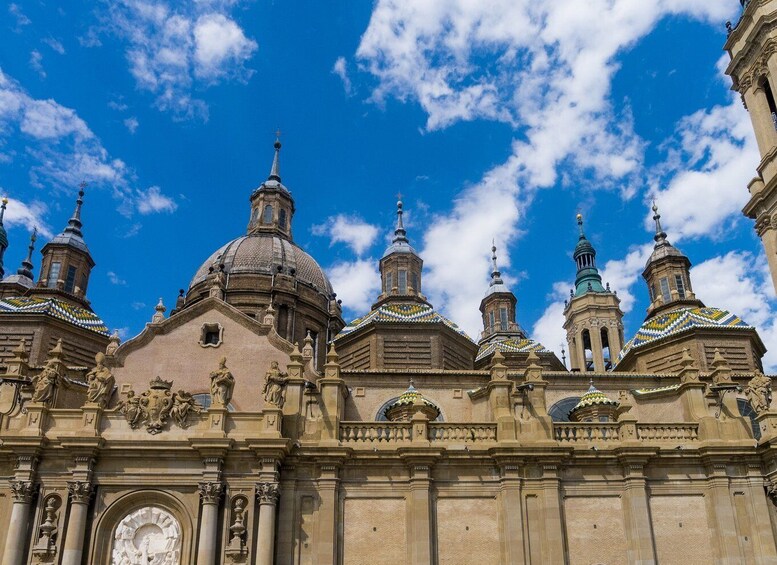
{"x": 400, "y": 268}
{"x": 752, "y": 46}
{"x": 593, "y": 317}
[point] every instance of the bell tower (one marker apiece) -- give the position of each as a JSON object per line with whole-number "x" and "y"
{"x": 752, "y": 45}
{"x": 592, "y": 315}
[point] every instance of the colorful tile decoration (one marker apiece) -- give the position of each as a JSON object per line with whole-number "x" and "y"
{"x": 77, "y": 316}
{"x": 592, "y": 397}
{"x": 404, "y": 313}
{"x": 512, "y": 346}
{"x": 679, "y": 321}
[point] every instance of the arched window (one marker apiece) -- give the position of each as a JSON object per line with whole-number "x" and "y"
{"x": 283, "y": 320}
{"x": 764, "y": 84}
{"x": 588, "y": 352}
{"x": 559, "y": 412}
{"x": 389, "y": 282}
{"x": 503, "y": 319}
{"x": 267, "y": 216}
{"x": 606, "y": 349}
{"x": 54, "y": 269}
{"x": 282, "y": 219}
{"x": 746, "y": 410}
{"x": 402, "y": 281}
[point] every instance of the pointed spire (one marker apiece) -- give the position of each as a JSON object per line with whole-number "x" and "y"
{"x": 74, "y": 223}
{"x": 588, "y": 278}
{"x": 26, "y": 268}
{"x": 580, "y": 225}
{"x": 275, "y": 171}
{"x": 496, "y": 276}
{"x": 400, "y": 235}
{"x": 3, "y": 236}
{"x": 2, "y": 210}
{"x": 660, "y": 236}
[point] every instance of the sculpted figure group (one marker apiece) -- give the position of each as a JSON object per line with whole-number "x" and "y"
{"x": 158, "y": 404}
{"x": 759, "y": 392}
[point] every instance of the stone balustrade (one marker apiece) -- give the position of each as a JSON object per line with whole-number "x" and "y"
{"x": 375, "y": 432}
{"x": 584, "y": 432}
{"x": 468, "y": 433}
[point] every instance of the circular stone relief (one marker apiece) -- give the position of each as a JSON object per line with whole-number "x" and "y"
{"x": 147, "y": 536}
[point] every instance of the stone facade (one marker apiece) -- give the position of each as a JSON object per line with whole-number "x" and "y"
{"x": 252, "y": 425}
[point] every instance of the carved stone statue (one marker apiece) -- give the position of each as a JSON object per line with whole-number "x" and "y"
{"x": 130, "y": 408}
{"x": 759, "y": 392}
{"x": 184, "y": 404}
{"x": 274, "y": 386}
{"x": 100, "y": 381}
{"x": 156, "y": 405}
{"x": 222, "y": 383}
{"x": 45, "y": 382}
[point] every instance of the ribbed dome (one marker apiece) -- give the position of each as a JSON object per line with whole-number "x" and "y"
{"x": 262, "y": 254}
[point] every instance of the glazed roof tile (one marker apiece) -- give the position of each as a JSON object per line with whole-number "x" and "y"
{"x": 679, "y": 321}
{"x": 401, "y": 313}
{"x": 55, "y": 308}
{"x": 511, "y": 345}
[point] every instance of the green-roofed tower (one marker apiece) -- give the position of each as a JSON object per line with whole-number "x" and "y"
{"x": 593, "y": 317}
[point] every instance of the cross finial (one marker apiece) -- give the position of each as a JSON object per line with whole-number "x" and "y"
{"x": 278, "y": 133}
{"x": 83, "y": 185}
{"x": 399, "y": 196}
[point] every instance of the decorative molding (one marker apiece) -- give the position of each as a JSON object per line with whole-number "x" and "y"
{"x": 210, "y": 492}
{"x": 267, "y": 493}
{"x": 80, "y": 491}
{"x": 23, "y": 491}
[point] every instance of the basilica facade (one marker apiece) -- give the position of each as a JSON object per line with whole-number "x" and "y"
{"x": 253, "y": 424}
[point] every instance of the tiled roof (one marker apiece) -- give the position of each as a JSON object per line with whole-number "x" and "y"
{"x": 510, "y": 345}
{"x": 679, "y": 321}
{"x": 55, "y": 308}
{"x": 401, "y": 313}
{"x": 593, "y": 397}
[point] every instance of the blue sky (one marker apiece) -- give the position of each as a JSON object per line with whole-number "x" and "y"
{"x": 500, "y": 122}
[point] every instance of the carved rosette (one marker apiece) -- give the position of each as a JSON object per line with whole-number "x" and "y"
{"x": 80, "y": 491}
{"x": 22, "y": 491}
{"x": 210, "y": 492}
{"x": 267, "y": 493}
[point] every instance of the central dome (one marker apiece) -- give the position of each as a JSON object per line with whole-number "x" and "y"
{"x": 266, "y": 254}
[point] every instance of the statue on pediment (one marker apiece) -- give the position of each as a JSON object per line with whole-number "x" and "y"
{"x": 759, "y": 392}
{"x": 45, "y": 382}
{"x": 274, "y": 386}
{"x": 222, "y": 383}
{"x": 100, "y": 382}
{"x": 183, "y": 405}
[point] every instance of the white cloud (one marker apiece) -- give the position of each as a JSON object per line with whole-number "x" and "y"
{"x": 550, "y": 75}
{"x": 357, "y": 283}
{"x": 220, "y": 45}
{"x": 21, "y": 19}
{"x": 170, "y": 46}
{"x": 350, "y": 230}
{"x": 30, "y": 215}
{"x": 741, "y": 283}
{"x": 549, "y": 328}
{"x": 115, "y": 279}
{"x": 36, "y": 63}
{"x": 60, "y": 149}
{"x": 55, "y": 44}
{"x": 131, "y": 124}
{"x": 152, "y": 201}
{"x": 340, "y": 70}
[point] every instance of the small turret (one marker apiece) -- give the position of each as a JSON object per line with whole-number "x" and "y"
{"x": 272, "y": 206}
{"x": 400, "y": 267}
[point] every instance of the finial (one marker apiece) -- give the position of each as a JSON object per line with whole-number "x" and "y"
{"x": 159, "y": 312}
{"x": 2, "y": 209}
{"x": 26, "y": 268}
{"x": 496, "y": 276}
{"x": 580, "y": 224}
{"x": 399, "y": 233}
{"x": 275, "y": 171}
{"x": 660, "y": 236}
{"x": 74, "y": 223}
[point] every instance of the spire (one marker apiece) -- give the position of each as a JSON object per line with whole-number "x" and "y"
{"x": 3, "y": 236}
{"x": 588, "y": 278}
{"x": 660, "y": 236}
{"x": 496, "y": 276}
{"x": 26, "y": 268}
{"x": 400, "y": 235}
{"x": 74, "y": 223}
{"x": 275, "y": 171}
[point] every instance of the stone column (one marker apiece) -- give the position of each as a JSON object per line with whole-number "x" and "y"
{"x": 326, "y": 542}
{"x": 16, "y": 538}
{"x": 420, "y": 514}
{"x": 761, "y": 116}
{"x": 267, "y": 494}
{"x": 553, "y": 527}
{"x": 639, "y": 538}
{"x": 596, "y": 348}
{"x": 723, "y": 518}
{"x": 210, "y": 494}
{"x": 80, "y": 493}
{"x": 512, "y": 512}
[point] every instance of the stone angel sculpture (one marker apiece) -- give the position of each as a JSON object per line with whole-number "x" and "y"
{"x": 184, "y": 403}
{"x": 759, "y": 392}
